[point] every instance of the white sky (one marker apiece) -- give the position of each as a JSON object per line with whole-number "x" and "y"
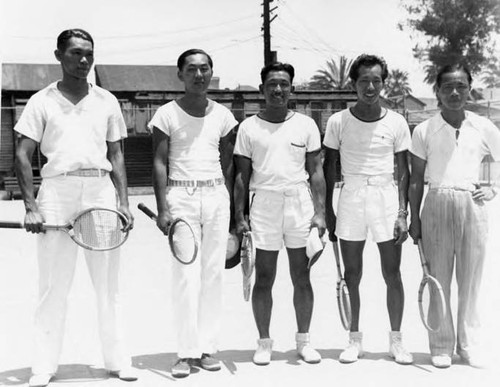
{"x": 305, "y": 33}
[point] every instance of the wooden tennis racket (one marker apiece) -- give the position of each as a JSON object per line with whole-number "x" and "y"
{"x": 431, "y": 299}
{"x": 95, "y": 228}
{"x": 343, "y": 300}
{"x": 181, "y": 237}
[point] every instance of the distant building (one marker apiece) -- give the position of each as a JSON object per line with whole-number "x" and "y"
{"x": 140, "y": 90}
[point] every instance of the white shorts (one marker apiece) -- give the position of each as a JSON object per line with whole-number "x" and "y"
{"x": 277, "y": 217}
{"x": 367, "y": 205}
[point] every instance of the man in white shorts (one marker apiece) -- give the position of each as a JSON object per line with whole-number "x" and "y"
{"x": 79, "y": 127}
{"x": 190, "y": 135}
{"x": 447, "y": 151}
{"x": 366, "y": 138}
{"x": 277, "y": 157}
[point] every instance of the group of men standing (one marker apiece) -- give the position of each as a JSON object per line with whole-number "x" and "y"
{"x": 278, "y": 173}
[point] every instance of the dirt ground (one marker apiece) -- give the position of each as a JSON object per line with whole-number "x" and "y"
{"x": 146, "y": 307}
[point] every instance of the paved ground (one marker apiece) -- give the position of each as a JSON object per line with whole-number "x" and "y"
{"x": 146, "y": 305}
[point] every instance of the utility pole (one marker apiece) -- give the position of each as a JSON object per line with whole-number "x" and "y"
{"x": 269, "y": 56}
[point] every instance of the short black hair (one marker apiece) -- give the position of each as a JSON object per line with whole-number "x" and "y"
{"x": 450, "y": 68}
{"x": 193, "y": 51}
{"x": 367, "y": 60}
{"x": 66, "y": 35}
{"x": 277, "y": 66}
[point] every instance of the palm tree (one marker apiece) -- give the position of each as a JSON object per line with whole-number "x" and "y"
{"x": 397, "y": 84}
{"x": 333, "y": 77}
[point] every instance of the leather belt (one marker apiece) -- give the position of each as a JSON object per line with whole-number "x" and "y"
{"x": 195, "y": 183}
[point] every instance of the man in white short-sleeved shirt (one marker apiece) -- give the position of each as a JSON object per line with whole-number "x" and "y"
{"x": 367, "y": 138}
{"x": 192, "y": 171}
{"x": 277, "y": 156}
{"x": 447, "y": 151}
{"x": 78, "y": 127}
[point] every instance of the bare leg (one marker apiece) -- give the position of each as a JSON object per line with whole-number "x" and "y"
{"x": 303, "y": 296}
{"x": 262, "y": 298}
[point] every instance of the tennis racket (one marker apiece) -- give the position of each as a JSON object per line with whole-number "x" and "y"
{"x": 247, "y": 256}
{"x": 343, "y": 300}
{"x": 96, "y": 228}
{"x": 431, "y": 300}
{"x": 181, "y": 237}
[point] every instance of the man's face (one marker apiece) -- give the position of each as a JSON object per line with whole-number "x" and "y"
{"x": 454, "y": 90}
{"x": 369, "y": 84}
{"x": 277, "y": 88}
{"x": 196, "y": 73}
{"x": 77, "y": 59}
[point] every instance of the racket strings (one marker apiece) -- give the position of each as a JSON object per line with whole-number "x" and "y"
{"x": 183, "y": 242}
{"x": 99, "y": 229}
{"x": 433, "y": 306}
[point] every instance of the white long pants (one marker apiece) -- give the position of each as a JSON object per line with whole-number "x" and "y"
{"x": 197, "y": 288}
{"x": 455, "y": 228}
{"x": 59, "y": 199}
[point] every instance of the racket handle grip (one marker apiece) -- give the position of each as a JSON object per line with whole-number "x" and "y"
{"x": 147, "y": 211}
{"x": 11, "y": 225}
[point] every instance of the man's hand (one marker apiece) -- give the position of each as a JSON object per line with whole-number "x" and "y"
{"x": 482, "y": 194}
{"x": 319, "y": 222}
{"x": 163, "y": 221}
{"x": 130, "y": 218}
{"x": 400, "y": 230}
{"x": 33, "y": 221}
{"x": 242, "y": 226}
{"x": 331, "y": 222}
{"x": 415, "y": 229}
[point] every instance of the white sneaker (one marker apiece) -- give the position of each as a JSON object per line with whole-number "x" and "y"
{"x": 304, "y": 349}
{"x": 472, "y": 358}
{"x": 441, "y": 361}
{"x": 40, "y": 380}
{"x": 354, "y": 349}
{"x": 262, "y": 355}
{"x": 126, "y": 374}
{"x": 396, "y": 349}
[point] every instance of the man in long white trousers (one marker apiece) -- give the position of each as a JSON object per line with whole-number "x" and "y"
{"x": 447, "y": 151}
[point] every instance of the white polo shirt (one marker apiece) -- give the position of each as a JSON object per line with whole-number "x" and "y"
{"x": 72, "y": 136}
{"x": 193, "y": 152}
{"x": 452, "y": 162}
{"x": 367, "y": 148}
{"x": 277, "y": 150}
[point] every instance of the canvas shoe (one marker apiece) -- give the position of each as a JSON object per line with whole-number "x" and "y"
{"x": 441, "y": 361}
{"x": 262, "y": 355}
{"x": 209, "y": 363}
{"x": 126, "y": 374}
{"x": 304, "y": 349}
{"x": 40, "y": 380}
{"x": 354, "y": 349}
{"x": 181, "y": 368}
{"x": 396, "y": 349}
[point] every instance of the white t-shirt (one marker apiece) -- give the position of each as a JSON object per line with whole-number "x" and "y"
{"x": 367, "y": 148}
{"x": 452, "y": 162}
{"x": 193, "y": 141}
{"x": 72, "y": 136}
{"x": 277, "y": 150}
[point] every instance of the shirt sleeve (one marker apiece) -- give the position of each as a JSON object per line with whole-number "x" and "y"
{"x": 243, "y": 145}
{"x": 418, "y": 142}
{"x": 313, "y": 142}
{"x": 492, "y": 139}
{"x": 161, "y": 121}
{"x": 33, "y": 119}
{"x": 117, "y": 129}
{"x": 402, "y": 139}
{"x": 229, "y": 122}
{"x": 332, "y": 131}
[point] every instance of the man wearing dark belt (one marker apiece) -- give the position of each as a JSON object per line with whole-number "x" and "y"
{"x": 78, "y": 127}
{"x": 192, "y": 177}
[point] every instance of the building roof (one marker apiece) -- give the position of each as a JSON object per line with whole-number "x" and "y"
{"x": 115, "y": 78}
{"x": 138, "y": 78}
{"x": 142, "y": 78}
{"x": 29, "y": 76}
